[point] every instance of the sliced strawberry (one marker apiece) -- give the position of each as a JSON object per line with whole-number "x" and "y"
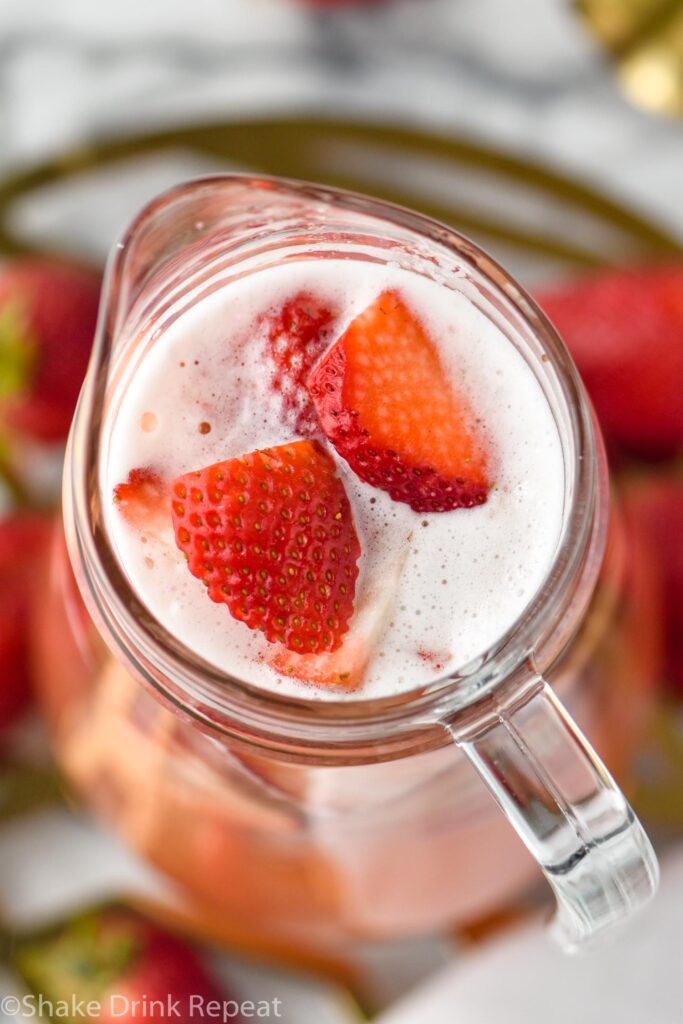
{"x": 297, "y": 334}
{"x": 143, "y": 498}
{"x": 271, "y": 535}
{"x": 346, "y": 667}
{"x": 383, "y": 401}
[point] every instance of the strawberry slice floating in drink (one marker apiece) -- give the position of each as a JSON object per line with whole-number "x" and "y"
{"x": 296, "y": 336}
{"x": 142, "y": 499}
{"x": 384, "y": 401}
{"x": 346, "y": 666}
{"x": 271, "y": 535}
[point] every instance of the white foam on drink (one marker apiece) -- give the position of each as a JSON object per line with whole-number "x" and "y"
{"x": 456, "y": 581}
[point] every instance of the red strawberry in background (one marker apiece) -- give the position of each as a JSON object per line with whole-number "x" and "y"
{"x": 625, "y": 332}
{"x": 271, "y": 535}
{"x": 335, "y": 4}
{"x": 654, "y": 506}
{"x": 296, "y": 336}
{"x": 384, "y": 402}
{"x": 48, "y": 312}
{"x": 23, "y": 554}
{"x": 132, "y": 968}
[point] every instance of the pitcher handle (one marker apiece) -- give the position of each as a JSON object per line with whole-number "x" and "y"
{"x": 568, "y": 811}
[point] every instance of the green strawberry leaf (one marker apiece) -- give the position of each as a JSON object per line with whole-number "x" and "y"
{"x": 24, "y": 789}
{"x": 18, "y": 350}
{"x": 9, "y": 479}
{"x": 18, "y": 355}
{"x": 657, "y": 797}
{"x": 86, "y": 956}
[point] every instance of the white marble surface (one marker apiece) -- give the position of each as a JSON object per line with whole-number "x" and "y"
{"x": 520, "y": 72}
{"x": 522, "y": 979}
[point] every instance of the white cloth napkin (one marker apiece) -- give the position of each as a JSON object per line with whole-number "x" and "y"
{"x": 522, "y": 979}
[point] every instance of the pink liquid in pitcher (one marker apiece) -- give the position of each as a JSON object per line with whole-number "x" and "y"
{"x": 304, "y": 848}
{"x": 434, "y": 589}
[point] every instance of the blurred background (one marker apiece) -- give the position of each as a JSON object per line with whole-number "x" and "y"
{"x": 550, "y": 131}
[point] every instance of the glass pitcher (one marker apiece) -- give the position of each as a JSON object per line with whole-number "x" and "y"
{"x": 311, "y": 821}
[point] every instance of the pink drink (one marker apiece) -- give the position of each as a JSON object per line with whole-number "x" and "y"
{"x": 301, "y": 814}
{"x": 438, "y": 588}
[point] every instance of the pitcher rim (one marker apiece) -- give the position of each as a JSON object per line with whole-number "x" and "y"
{"x": 218, "y": 700}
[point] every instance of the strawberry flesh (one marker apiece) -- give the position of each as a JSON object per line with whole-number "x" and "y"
{"x": 344, "y": 668}
{"x": 296, "y": 336}
{"x": 271, "y": 535}
{"x": 142, "y": 498}
{"x": 347, "y": 666}
{"x": 383, "y": 402}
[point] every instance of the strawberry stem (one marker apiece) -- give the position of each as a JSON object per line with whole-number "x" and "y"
{"x": 21, "y": 499}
